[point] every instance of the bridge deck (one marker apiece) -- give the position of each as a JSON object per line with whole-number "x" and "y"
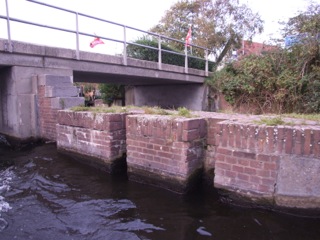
{"x": 95, "y": 67}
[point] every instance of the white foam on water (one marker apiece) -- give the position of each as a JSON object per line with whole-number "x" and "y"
{"x": 6, "y": 177}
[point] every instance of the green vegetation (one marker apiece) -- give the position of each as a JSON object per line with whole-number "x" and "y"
{"x": 155, "y": 110}
{"x": 311, "y": 117}
{"x": 151, "y": 54}
{"x": 271, "y": 121}
{"x": 111, "y": 92}
{"x": 217, "y": 25}
{"x": 62, "y": 103}
{"x": 99, "y": 109}
{"x": 182, "y": 112}
{"x": 279, "y": 81}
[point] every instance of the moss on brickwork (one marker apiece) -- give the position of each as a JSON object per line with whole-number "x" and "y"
{"x": 180, "y": 112}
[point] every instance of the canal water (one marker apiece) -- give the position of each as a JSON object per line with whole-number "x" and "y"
{"x": 46, "y": 195}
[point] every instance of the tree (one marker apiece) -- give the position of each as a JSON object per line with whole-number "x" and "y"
{"x": 305, "y": 27}
{"x": 168, "y": 56}
{"x": 305, "y": 22}
{"x": 111, "y": 92}
{"x": 218, "y": 25}
{"x": 281, "y": 81}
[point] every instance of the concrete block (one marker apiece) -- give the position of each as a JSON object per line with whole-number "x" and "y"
{"x": 298, "y": 183}
{"x": 27, "y": 115}
{"x": 57, "y": 91}
{"x": 54, "y": 80}
{"x": 66, "y": 102}
{"x": 24, "y": 85}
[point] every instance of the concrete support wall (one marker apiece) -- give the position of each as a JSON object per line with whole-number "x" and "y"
{"x": 191, "y": 96}
{"x": 165, "y": 151}
{"x": 99, "y": 137}
{"x": 18, "y": 94}
{"x": 54, "y": 93}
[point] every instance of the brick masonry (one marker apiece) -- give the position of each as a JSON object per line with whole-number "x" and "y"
{"x": 279, "y": 165}
{"x": 51, "y": 99}
{"x": 100, "y": 137}
{"x": 269, "y": 163}
{"x": 169, "y": 149}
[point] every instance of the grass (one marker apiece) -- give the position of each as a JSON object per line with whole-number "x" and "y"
{"x": 155, "y": 110}
{"x": 272, "y": 121}
{"x": 278, "y": 120}
{"x": 312, "y": 117}
{"x": 182, "y": 111}
{"x": 99, "y": 109}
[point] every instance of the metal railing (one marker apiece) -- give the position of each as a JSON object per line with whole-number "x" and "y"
{"x": 124, "y": 41}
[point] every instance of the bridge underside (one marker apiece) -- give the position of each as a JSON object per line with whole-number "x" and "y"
{"x": 122, "y": 79}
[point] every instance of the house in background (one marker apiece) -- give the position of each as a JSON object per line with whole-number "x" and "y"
{"x": 249, "y": 47}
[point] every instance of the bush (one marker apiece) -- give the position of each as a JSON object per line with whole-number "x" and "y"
{"x": 111, "y": 92}
{"x": 282, "y": 81}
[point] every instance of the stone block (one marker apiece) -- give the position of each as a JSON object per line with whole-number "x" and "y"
{"x": 61, "y": 91}
{"x": 54, "y": 80}
{"x": 66, "y": 102}
{"x": 298, "y": 182}
{"x": 28, "y": 123}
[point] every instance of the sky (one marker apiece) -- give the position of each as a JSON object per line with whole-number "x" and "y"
{"x": 141, "y": 14}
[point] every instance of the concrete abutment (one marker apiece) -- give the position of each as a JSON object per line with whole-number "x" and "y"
{"x": 20, "y": 95}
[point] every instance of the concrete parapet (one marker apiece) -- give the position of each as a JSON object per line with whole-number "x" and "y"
{"x": 165, "y": 151}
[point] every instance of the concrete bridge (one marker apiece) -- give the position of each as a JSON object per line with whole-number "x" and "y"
{"x": 34, "y": 78}
{"x": 95, "y": 67}
{"x": 22, "y": 69}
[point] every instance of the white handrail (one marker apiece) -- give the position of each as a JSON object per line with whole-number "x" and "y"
{"x": 124, "y": 41}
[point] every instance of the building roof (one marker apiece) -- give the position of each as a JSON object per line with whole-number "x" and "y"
{"x": 256, "y": 48}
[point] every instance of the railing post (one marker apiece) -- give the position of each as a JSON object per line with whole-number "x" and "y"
{"x": 8, "y": 28}
{"x": 186, "y": 59}
{"x": 207, "y": 62}
{"x": 159, "y": 53}
{"x": 124, "y": 46}
{"x": 77, "y": 36}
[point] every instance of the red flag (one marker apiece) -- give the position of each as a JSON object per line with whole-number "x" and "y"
{"x": 188, "y": 38}
{"x": 95, "y": 42}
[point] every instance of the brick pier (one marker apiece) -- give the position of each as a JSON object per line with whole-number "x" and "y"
{"x": 277, "y": 165}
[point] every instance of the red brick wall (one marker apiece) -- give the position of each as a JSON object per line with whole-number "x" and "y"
{"x": 211, "y": 148}
{"x": 248, "y": 156}
{"x": 164, "y": 146}
{"x": 47, "y": 115}
{"x": 99, "y": 135}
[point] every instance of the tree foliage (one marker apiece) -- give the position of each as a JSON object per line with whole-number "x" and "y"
{"x": 111, "y": 92}
{"x": 218, "y": 25}
{"x": 285, "y": 80}
{"x": 168, "y": 57}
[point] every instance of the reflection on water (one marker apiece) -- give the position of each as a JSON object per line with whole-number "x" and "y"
{"x": 49, "y": 196}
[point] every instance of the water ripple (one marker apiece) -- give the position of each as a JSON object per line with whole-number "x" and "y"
{"x": 5, "y": 180}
